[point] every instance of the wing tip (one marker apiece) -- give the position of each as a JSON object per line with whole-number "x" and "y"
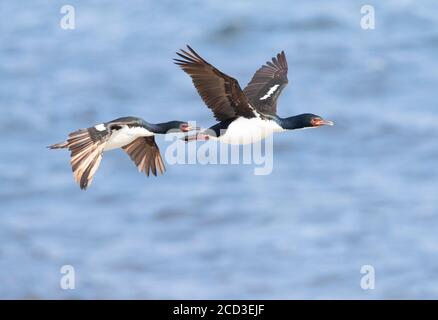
{"x": 279, "y": 61}
{"x": 60, "y": 145}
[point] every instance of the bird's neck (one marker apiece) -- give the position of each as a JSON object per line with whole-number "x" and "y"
{"x": 161, "y": 128}
{"x": 291, "y": 123}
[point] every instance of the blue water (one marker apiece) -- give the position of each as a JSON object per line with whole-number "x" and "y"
{"x": 361, "y": 193}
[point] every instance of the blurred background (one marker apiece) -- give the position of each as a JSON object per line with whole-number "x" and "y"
{"x": 361, "y": 193}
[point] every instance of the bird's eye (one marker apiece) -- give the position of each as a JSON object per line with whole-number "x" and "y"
{"x": 316, "y": 121}
{"x": 184, "y": 127}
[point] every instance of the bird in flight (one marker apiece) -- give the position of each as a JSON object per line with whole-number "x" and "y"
{"x": 248, "y": 115}
{"x": 134, "y": 135}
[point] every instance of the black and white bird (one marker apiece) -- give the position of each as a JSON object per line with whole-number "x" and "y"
{"x": 132, "y": 134}
{"x": 245, "y": 116}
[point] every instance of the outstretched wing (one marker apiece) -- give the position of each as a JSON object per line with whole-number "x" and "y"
{"x": 86, "y": 146}
{"x": 267, "y": 83}
{"x": 221, "y": 93}
{"x": 146, "y": 155}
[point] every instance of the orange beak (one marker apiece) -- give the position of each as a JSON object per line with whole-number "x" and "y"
{"x": 322, "y": 122}
{"x": 187, "y": 128}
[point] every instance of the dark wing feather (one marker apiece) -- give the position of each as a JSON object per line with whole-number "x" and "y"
{"x": 146, "y": 155}
{"x": 221, "y": 93}
{"x": 267, "y": 83}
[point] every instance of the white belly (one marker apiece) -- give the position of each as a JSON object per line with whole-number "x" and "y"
{"x": 125, "y": 136}
{"x": 245, "y": 131}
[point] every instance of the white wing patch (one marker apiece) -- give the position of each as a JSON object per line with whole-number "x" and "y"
{"x": 270, "y": 92}
{"x": 100, "y": 127}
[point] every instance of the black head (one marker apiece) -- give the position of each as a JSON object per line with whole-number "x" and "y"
{"x": 176, "y": 125}
{"x": 305, "y": 120}
{"x": 312, "y": 120}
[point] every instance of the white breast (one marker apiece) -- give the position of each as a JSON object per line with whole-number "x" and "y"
{"x": 245, "y": 131}
{"x": 125, "y": 135}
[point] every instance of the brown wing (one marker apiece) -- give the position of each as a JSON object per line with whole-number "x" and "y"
{"x": 86, "y": 148}
{"x": 221, "y": 93}
{"x": 267, "y": 83}
{"x": 146, "y": 155}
